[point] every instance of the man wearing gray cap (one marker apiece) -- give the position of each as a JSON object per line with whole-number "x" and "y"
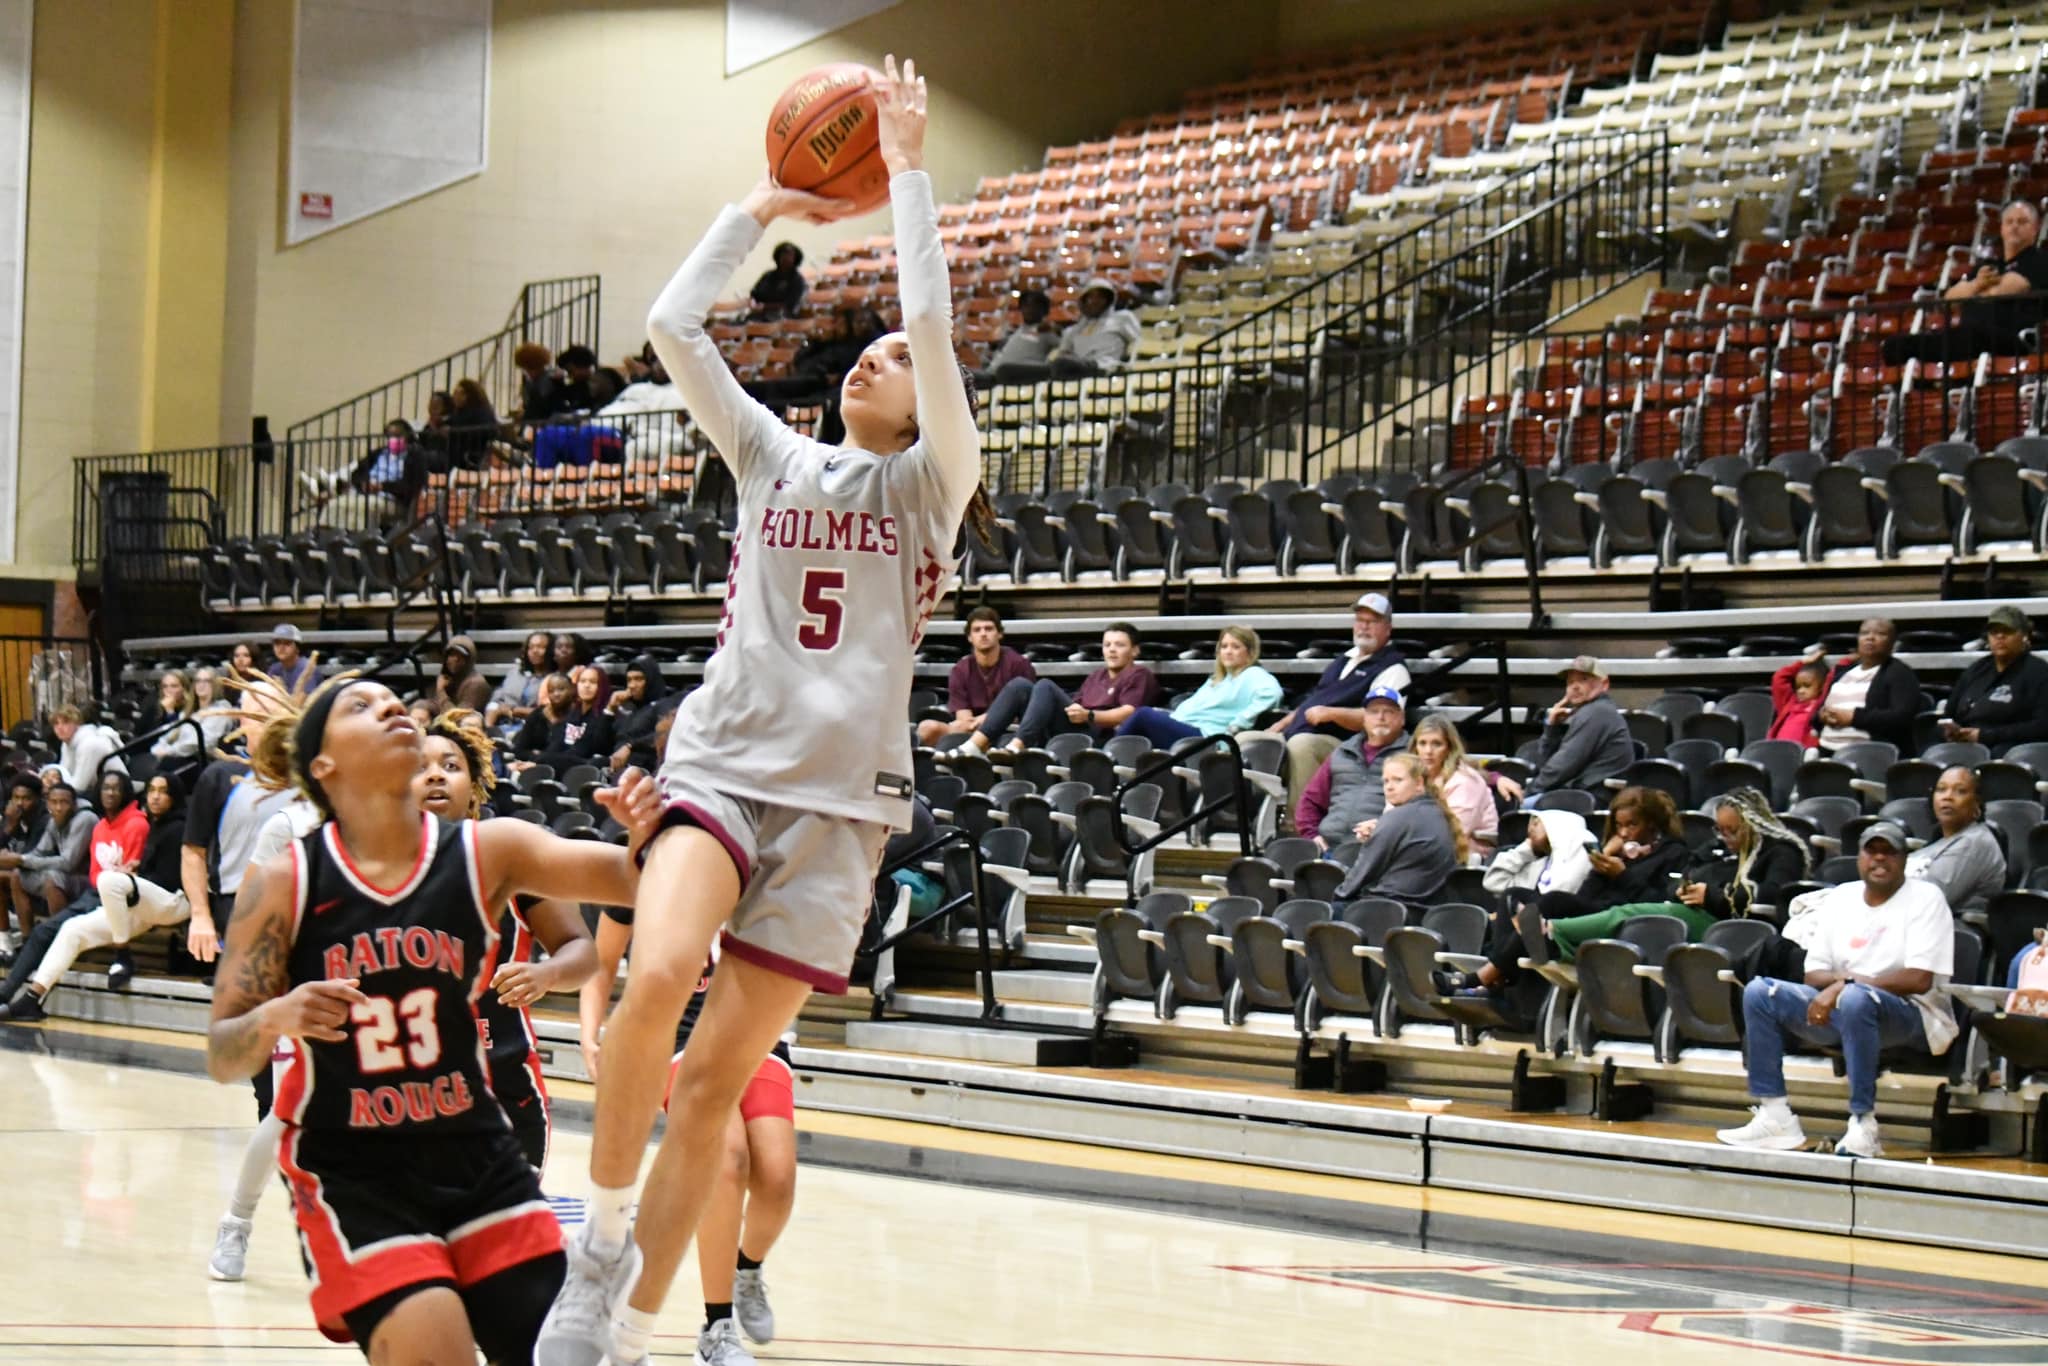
{"x": 1585, "y": 739}
{"x": 1334, "y": 709}
{"x": 2001, "y": 700}
{"x": 1879, "y": 952}
{"x": 290, "y": 667}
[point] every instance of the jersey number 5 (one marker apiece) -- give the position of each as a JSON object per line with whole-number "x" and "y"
{"x": 823, "y": 589}
{"x": 376, "y": 1035}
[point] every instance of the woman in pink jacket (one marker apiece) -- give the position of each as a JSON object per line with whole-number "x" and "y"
{"x": 1436, "y": 742}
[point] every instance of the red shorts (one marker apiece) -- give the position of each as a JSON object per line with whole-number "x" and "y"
{"x": 770, "y": 1095}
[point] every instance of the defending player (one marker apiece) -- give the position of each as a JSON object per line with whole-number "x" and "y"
{"x": 367, "y": 945}
{"x": 786, "y": 771}
{"x": 454, "y": 784}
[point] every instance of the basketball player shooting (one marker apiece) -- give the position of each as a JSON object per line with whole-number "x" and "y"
{"x": 367, "y": 945}
{"x": 788, "y": 768}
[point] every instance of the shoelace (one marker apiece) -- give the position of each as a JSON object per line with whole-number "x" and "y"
{"x": 583, "y": 1306}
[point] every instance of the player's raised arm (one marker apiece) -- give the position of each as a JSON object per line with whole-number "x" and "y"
{"x": 945, "y": 421}
{"x": 734, "y": 422}
{"x": 251, "y": 1008}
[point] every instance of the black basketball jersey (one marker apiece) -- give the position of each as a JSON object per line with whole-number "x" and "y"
{"x": 508, "y": 1032}
{"x": 423, "y": 953}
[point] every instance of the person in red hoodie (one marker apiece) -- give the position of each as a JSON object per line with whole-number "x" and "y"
{"x": 117, "y": 843}
{"x": 1796, "y": 693}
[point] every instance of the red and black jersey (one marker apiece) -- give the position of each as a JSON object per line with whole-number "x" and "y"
{"x": 508, "y": 1030}
{"x": 423, "y": 953}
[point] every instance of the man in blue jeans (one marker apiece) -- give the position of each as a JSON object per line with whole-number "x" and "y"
{"x": 1879, "y": 952}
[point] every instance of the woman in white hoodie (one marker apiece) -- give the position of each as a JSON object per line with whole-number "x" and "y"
{"x": 1552, "y": 858}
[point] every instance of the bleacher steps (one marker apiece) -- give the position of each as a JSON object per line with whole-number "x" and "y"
{"x": 1038, "y": 948}
{"x": 963, "y": 1005}
{"x": 968, "y": 1044}
{"x": 1054, "y": 987}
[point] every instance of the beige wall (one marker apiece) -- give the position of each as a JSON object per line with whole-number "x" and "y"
{"x": 618, "y": 171}
{"x": 88, "y": 216}
{"x": 1306, "y": 24}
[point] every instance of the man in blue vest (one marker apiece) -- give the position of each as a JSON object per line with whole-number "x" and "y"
{"x": 1334, "y": 709}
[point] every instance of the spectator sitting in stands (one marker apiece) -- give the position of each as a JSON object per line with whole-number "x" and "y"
{"x": 1033, "y": 340}
{"x": 579, "y": 370}
{"x": 637, "y": 713}
{"x": 83, "y": 747}
{"x": 779, "y": 293}
{"x": 652, "y": 392}
{"x": 1463, "y": 786}
{"x": 520, "y": 692}
{"x": 1879, "y": 952}
{"x": 1416, "y": 844}
{"x": 436, "y": 439}
{"x": 1334, "y": 709}
{"x": 978, "y": 679}
{"x": 584, "y": 734}
{"x": 1966, "y": 863}
{"x": 1237, "y": 692}
{"x": 1870, "y": 696}
{"x": 1640, "y": 861}
{"x": 137, "y": 891}
{"x": 1991, "y": 318}
{"x": 540, "y": 383}
{"x": 242, "y": 660}
{"x": 1340, "y": 804}
{"x": 824, "y": 360}
{"x": 392, "y": 474}
{"x": 606, "y": 384}
{"x": 114, "y": 842}
{"x": 2001, "y": 700}
{"x": 174, "y": 702}
{"x": 460, "y": 685}
{"x": 52, "y": 873}
{"x": 1103, "y": 336}
{"x": 572, "y": 652}
{"x": 1585, "y": 739}
{"x": 22, "y": 823}
{"x": 288, "y": 665}
{"x": 1795, "y": 700}
{"x": 472, "y": 426}
{"x": 214, "y": 712}
{"x": 1756, "y": 861}
{"x": 544, "y": 722}
{"x": 1042, "y": 709}
{"x": 1553, "y": 857}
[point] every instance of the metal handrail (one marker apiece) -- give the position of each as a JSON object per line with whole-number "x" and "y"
{"x": 1164, "y": 761}
{"x": 147, "y": 740}
{"x": 991, "y": 1008}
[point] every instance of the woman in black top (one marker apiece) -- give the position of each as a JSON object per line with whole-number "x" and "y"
{"x": 584, "y": 734}
{"x": 636, "y": 712}
{"x": 780, "y": 292}
{"x": 537, "y": 733}
{"x": 2001, "y": 700}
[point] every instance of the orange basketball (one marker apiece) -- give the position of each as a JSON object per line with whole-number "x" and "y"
{"x": 823, "y": 137}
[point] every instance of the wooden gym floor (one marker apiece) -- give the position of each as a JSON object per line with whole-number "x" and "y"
{"x": 932, "y": 1246}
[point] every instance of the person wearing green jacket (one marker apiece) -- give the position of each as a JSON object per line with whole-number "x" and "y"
{"x": 1236, "y": 695}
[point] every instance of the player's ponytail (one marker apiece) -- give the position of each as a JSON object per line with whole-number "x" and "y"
{"x": 288, "y": 727}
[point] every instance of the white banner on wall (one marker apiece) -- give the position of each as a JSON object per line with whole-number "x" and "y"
{"x": 17, "y": 26}
{"x": 390, "y": 101}
{"x": 756, "y": 30}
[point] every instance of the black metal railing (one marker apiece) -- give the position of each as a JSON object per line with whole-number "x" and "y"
{"x": 555, "y": 313}
{"x": 969, "y": 901}
{"x": 1757, "y": 375}
{"x": 1237, "y": 800}
{"x": 41, "y": 673}
{"x": 153, "y": 502}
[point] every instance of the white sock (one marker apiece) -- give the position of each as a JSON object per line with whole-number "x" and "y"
{"x": 259, "y": 1164}
{"x": 1777, "y": 1107}
{"x": 631, "y": 1328}
{"x": 609, "y": 1226}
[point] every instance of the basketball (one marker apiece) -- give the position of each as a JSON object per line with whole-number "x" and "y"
{"x": 822, "y": 137}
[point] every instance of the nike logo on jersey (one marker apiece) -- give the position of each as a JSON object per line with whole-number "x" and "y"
{"x": 324, "y": 907}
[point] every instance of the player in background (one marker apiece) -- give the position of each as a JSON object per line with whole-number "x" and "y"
{"x": 454, "y": 784}
{"x": 787, "y": 769}
{"x": 367, "y": 945}
{"x": 756, "y": 1182}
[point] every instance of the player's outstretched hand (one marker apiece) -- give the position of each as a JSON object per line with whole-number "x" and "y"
{"x": 317, "y": 1010}
{"x": 635, "y": 804}
{"x": 768, "y": 201}
{"x": 519, "y": 984}
{"x": 899, "y": 106}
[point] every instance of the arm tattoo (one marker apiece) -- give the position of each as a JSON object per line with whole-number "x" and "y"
{"x": 254, "y": 969}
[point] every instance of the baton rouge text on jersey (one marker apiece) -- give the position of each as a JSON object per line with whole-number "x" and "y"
{"x": 397, "y": 949}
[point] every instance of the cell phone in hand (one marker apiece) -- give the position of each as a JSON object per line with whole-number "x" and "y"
{"x": 1592, "y": 844}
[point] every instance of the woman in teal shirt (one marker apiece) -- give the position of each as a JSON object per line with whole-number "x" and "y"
{"x": 1235, "y": 695}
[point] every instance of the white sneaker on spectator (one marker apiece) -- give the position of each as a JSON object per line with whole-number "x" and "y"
{"x": 750, "y": 1306}
{"x": 1862, "y": 1139}
{"x": 578, "y": 1328}
{"x": 230, "y": 1249}
{"x": 719, "y": 1345}
{"x": 1771, "y": 1125}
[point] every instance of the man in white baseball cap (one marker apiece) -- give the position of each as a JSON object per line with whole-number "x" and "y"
{"x": 1334, "y": 709}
